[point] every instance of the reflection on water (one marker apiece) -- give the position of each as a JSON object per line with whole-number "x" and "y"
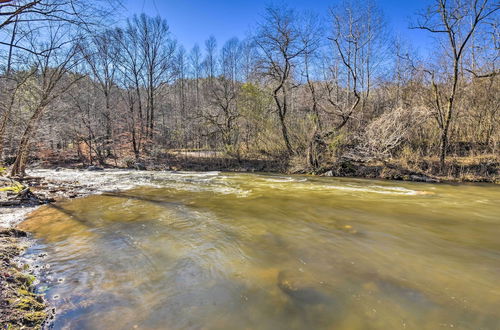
{"x": 232, "y": 251}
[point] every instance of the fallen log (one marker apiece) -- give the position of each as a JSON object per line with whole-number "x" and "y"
{"x": 10, "y": 203}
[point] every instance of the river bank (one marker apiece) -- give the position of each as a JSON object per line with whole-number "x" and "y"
{"x": 20, "y": 306}
{"x": 457, "y": 170}
{"x": 484, "y": 168}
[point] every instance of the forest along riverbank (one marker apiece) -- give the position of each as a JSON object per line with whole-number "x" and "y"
{"x": 20, "y": 306}
{"x": 484, "y": 168}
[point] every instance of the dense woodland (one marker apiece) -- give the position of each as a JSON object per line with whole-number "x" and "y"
{"x": 81, "y": 85}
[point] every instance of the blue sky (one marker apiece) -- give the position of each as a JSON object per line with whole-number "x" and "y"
{"x": 193, "y": 21}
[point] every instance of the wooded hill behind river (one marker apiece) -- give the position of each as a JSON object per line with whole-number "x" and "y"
{"x": 336, "y": 93}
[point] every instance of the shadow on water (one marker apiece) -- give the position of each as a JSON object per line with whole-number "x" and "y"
{"x": 71, "y": 214}
{"x": 113, "y": 236}
{"x": 140, "y": 198}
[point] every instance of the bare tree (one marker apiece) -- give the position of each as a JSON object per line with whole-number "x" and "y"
{"x": 280, "y": 46}
{"x": 223, "y": 94}
{"x": 87, "y": 15}
{"x": 195, "y": 64}
{"x": 11, "y": 85}
{"x": 131, "y": 68}
{"x": 158, "y": 50}
{"x": 356, "y": 30}
{"x": 210, "y": 62}
{"x": 312, "y": 39}
{"x": 101, "y": 56}
{"x": 53, "y": 78}
{"x": 457, "y": 21}
{"x": 349, "y": 66}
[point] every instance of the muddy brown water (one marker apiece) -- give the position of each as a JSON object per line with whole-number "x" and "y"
{"x": 246, "y": 251}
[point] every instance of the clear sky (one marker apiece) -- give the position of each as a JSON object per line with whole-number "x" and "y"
{"x": 193, "y": 21}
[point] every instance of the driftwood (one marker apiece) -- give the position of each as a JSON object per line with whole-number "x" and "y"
{"x": 26, "y": 178}
{"x": 23, "y": 196}
{"x": 10, "y": 203}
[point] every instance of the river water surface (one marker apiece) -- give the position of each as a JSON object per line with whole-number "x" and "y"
{"x": 244, "y": 251}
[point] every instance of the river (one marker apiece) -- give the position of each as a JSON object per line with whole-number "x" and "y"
{"x": 253, "y": 251}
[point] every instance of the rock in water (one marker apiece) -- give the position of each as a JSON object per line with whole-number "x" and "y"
{"x": 140, "y": 166}
{"x": 12, "y": 232}
{"x": 300, "y": 288}
{"x": 94, "y": 168}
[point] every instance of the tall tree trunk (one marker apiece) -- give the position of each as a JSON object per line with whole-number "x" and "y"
{"x": 444, "y": 148}
{"x": 282, "y": 110}
{"x": 3, "y": 125}
{"x": 19, "y": 167}
{"x": 109, "y": 130}
{"x": 449, "y": 115}
{"x": 6, "y": 115}
{"x": 284, "y": 132}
